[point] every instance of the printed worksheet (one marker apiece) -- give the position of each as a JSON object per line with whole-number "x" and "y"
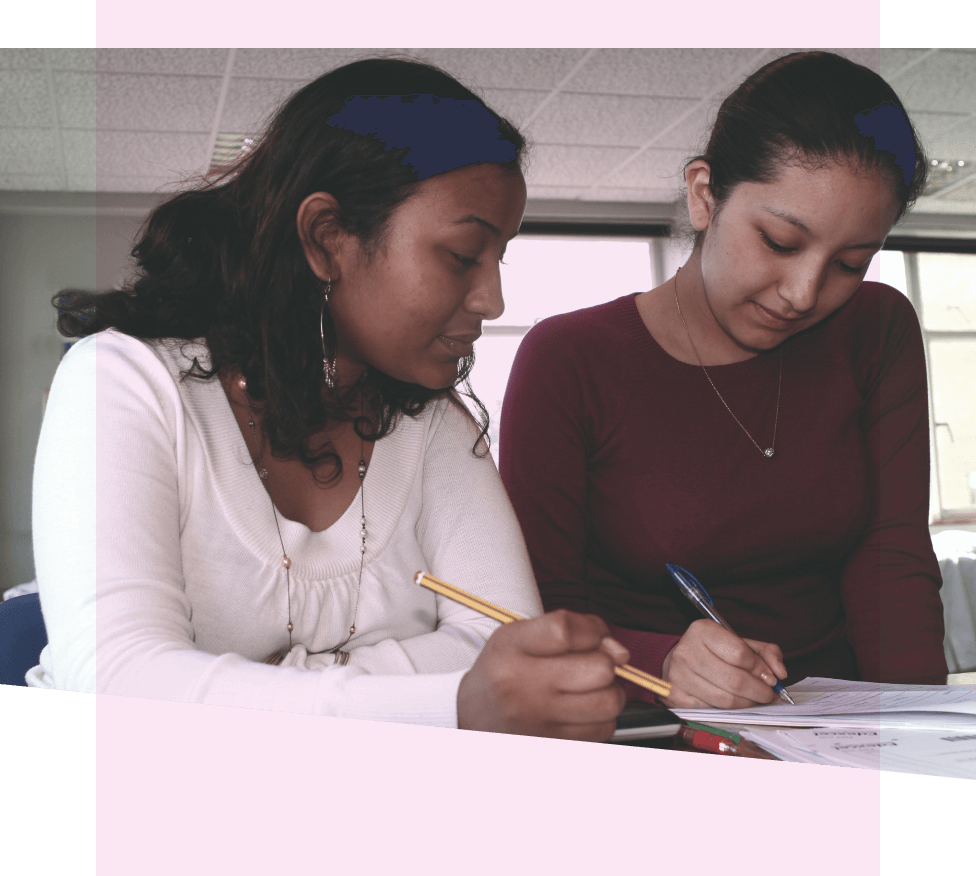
{"x": 832, "y": 703}
{"x": 926, "y": 752}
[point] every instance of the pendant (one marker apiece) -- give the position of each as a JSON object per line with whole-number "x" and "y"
{"x": 769, "y": 453}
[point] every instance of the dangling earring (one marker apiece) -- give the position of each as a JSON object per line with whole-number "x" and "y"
{"x": 328, "y": 365}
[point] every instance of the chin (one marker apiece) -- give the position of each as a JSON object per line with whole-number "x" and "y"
{"x": 437, "y": 380}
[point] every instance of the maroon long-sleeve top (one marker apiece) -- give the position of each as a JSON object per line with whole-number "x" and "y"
{"x": 619, "y": 458}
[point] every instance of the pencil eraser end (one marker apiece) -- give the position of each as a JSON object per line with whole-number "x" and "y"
{"x": 418, "y": 578}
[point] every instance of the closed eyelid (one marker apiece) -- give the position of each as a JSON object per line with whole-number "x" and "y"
{"x": 772, "y": 244}
{"x": 787, "y": 250}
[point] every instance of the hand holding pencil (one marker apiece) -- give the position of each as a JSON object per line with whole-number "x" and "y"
{"x": 553, "y": 675}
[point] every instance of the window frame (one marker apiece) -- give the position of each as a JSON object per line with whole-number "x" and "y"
{"x": 659, "y": 234}
{"x": 649, "y": 231}
{"x": 910, "y": 247}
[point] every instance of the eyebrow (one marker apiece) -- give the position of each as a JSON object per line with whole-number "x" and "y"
{"x": 497, "y": 232}
{"x": 796, "y": 221}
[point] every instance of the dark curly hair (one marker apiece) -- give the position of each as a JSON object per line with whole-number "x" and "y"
{"x": 223, "y": 261}
{"x": 810, "y": 108}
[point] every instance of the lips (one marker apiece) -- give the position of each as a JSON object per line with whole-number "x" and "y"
{"x": 461, "y": 344}
{"x": 776, "y": 320}
{"x": 464, "y": 338}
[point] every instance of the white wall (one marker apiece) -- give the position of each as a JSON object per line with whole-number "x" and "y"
{"x": 47, "y": 242}
{"x": 39, "y": 255}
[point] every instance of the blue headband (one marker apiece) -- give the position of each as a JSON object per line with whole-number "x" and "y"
{"x": 889, "y": 129}
{"x": 439, "y": 133}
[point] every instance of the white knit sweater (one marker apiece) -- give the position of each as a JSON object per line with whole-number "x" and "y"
{"x": 161, "y": 548}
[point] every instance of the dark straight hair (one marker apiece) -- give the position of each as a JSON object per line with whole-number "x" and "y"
{"x": 223, "y": 261}
{"x": 811, "y": 108}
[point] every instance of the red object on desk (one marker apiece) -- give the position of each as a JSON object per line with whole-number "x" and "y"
{"x": 702, "y": 740}
{"x": 705, "y": 741}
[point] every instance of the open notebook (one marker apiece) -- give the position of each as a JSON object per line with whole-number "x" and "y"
{"x": 950, "y": 753}
{"x": 828, "y": 702}
{"x": 924, "y": 729}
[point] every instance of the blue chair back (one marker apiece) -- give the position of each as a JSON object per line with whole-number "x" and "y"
{"x": 22, "y": 636}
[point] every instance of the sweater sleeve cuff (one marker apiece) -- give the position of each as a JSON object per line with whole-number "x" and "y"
{"x": 647, "y": 652}
{"x": 404, "y": 699}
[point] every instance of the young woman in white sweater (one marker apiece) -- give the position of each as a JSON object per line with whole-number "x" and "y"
{"x": 259, "y": 441}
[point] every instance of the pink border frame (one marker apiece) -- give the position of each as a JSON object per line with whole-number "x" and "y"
{"x": 203, "y": 789}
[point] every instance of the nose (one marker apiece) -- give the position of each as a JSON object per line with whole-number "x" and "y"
{"x": 801, "y": 288}
{"x": 485, "y": 298}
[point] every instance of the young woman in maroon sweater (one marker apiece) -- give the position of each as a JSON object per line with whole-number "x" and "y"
{"x": 760, "y": 418}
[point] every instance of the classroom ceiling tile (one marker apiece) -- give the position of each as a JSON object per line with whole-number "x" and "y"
{"x": 76, "y": 99}
{"x": 557, "y": 193}
{"x": 178, "y": 62}
{"x": 303, "y": 64}
{"x": 19, "y": 59}
{"x": 689, "y": 73}
{"x": 30, "y": 182}
{"x": 250, "y": 103}
{"x": 81, "y": 60}
{"x": 691, "y": 133}
{"x": 85, "y": 183}
{"x": 111, "y": 183}
{"x": 653, "y": 168}
{"x": 133, "y": 102}
{"x": 573, "y": 165}
{"x": 605, "y": 120}
{"x": 157, "y": 155}
{"x": 505, "y": 68}
{"x": 585, "y": 125}
{"x": 516, "y": 105}
{"x": 956, "y": 143}
{"x": 966, "y": 192}
{"x": 78, "y": 148}
{"x": 930, "y": 126}
{"x": 895, "y": 62}
{"x": 943, "y": 82}
{"x": 25, "y": 101}
{"x": 29, "y": 150}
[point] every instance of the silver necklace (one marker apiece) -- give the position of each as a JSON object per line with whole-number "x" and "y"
{"x": 341, "y": 657}
{"x": 770, "y": 451}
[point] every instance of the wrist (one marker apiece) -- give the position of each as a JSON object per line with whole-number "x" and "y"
{"x": 464, "y": 718}
{"x": 666, "y": 665}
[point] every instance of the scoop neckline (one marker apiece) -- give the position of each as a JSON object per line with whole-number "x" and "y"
{"x": 636, "y": 323}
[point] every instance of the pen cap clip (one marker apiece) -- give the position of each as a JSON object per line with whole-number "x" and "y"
{"x": 689, "y": 584}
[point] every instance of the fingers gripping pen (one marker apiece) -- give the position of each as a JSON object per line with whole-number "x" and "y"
{"x": 698, "y": 595}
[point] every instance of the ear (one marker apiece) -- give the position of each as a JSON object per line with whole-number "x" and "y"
{"x": 320, "y": 234}
{"x": 701, "y": 204}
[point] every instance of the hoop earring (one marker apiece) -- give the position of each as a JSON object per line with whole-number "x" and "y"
{"x": 328, "y": 365}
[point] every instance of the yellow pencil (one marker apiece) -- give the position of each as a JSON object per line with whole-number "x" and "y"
{"x": 489, "y": 609}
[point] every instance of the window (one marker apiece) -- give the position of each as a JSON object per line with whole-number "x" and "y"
{"x": 545, "y": 276}
{"x": 942, "y": 286}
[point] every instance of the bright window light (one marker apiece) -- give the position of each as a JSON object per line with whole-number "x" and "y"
{"x": 543, "y": 277}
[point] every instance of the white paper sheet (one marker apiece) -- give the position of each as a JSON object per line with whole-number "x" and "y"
{"x": 927, "y": 752}
{"x": 842, "y": 704}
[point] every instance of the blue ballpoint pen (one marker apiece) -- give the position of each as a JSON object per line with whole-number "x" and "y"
{"x": 692, "y": 588}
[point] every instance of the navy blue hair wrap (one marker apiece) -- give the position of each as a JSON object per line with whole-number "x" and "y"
{"x": 889, "y": 129}
{"x": 440, "y": 133}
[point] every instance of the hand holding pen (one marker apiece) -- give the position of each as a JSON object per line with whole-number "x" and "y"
{"x": 712, "y": 666}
